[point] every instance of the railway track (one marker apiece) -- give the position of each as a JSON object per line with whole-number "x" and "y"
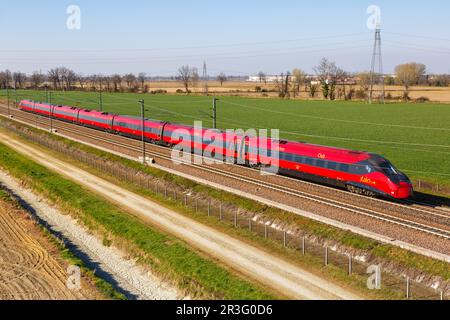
{"x": 434, "y": 229}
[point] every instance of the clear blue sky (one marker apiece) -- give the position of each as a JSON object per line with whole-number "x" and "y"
{"x": 232, "y": 36}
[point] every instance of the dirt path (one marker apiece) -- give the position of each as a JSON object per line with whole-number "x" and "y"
{"x": 255, "y": 263}
{"x": 27, "y": 270}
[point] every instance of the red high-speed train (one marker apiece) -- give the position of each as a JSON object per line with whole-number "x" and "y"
{"x": 359, "y": 172}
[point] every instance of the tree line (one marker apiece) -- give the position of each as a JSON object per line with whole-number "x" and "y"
{"x": 335, "y": 83}
{"x": 329, "y": 79}
{"x": 65, "y": 79}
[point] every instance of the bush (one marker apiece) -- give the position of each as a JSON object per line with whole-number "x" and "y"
{"x": 360, "y": 94}
{"x": 258, "y": 89}
{"x": 422, "y": 100}
{"x": 160, "y": 92}
{"x": 180, "y": 91}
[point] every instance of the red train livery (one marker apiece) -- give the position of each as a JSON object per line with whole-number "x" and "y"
{"x": 359, "y": 172}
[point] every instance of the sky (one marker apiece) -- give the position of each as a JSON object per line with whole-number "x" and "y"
{"x": 232, "y": 36}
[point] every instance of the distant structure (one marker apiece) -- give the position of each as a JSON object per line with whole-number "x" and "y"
{"x": 377, "y": 77}
{"x": 205, "y": 79}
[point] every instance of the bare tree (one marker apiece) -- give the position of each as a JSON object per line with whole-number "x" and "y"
{"x": 188, "y": 76}
{"x": 298, "y": 79}
{"x": 222, "y": 78}
{"x": 283, "y": 85}
{"x": 142, "y": 77}
{"x": 329, "y": 74}
{"x": 55, "y": 78}
{"x": 409, "y": 74}
{"x": 19, "y": 79}
{"x": 37, "y": 79}
{"x": 82, "y": 80}
{"x": 262, "y": 77}
{"x": 108, "y": 83}
{"x": 312, "y": 88}
{"x": 130, "y": 80}
{"x": 117, "y": 82}
{"x": 5, "y": 79}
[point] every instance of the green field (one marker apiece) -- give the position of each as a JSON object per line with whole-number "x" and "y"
{"x": 415, "y": 137}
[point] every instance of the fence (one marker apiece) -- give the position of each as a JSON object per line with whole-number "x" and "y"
{"x": 299, "y": 244}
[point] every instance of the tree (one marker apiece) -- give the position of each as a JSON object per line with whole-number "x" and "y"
{"x": 37, "y": 79}
{"x": 262, "y": 77}
{"x": 188, "y": 76}
{"x": 409, "y": 74}
{"x": 117, "y": 82}
{"x": 283, "y": 85}
{"x": 19, "y": 79}
{"x": 81, "y": 80}
{"x": 222, "y": 78}
{"x": 68, "y": 77}
{"x": 312, "y": 88}
{"x": 298, "y": 79}
{"x": 142, "y": 77}
{"x": 5, "y": 79}
{"x": 54, "y": 77}
{"x": 130, "y": 79}
{"x": 329, "y": 74}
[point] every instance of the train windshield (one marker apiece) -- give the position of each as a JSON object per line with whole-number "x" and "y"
{"x": 383, "y": 165}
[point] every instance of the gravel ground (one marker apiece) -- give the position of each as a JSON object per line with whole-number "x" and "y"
{"x": 130, "y": 278}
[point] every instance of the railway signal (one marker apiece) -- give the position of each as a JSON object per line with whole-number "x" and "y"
{"x": 100, "y": 100}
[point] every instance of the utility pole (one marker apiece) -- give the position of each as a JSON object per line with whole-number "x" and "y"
{"x": 7, "y": 96}
{"x": 142, "y": 103}
{"x": 205, "y": 79}
{"x": 214, "y": 117}
{"x": 100, "y": 99}
{"x": 15, "y": 95}
{"x": 377, "y": 55}
{"x": 49, "y": 100}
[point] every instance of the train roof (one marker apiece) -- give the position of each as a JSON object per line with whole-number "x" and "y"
{"x": 132, "y": 119}
{"x": 331, "y": 153}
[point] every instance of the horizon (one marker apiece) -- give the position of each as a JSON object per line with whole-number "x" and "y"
{"x": 158, "y": 38}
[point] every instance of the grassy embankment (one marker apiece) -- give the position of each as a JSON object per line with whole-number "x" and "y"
{"x": 413, "y": 136}
{"x": 166, "y": 255}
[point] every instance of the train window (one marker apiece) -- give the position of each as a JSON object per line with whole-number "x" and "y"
{"x": 299, "y": 159}
{"x": 344, "y": 167}
{"x": 309, "y": 161}
{"x": 332, "y": 165}
{"x": 358, "y": 169}
{"x": 289, "y": 157}
{"x": 321, "y": 163}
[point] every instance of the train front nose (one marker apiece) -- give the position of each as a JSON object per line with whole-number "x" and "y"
{"x": 405, "y": 187}
{"x": 405, "y": 191}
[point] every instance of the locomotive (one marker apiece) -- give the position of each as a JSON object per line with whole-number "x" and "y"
{"x": 363, "y": 173}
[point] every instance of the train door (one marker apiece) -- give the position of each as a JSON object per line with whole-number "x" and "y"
{"x": 161, "y": 132}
